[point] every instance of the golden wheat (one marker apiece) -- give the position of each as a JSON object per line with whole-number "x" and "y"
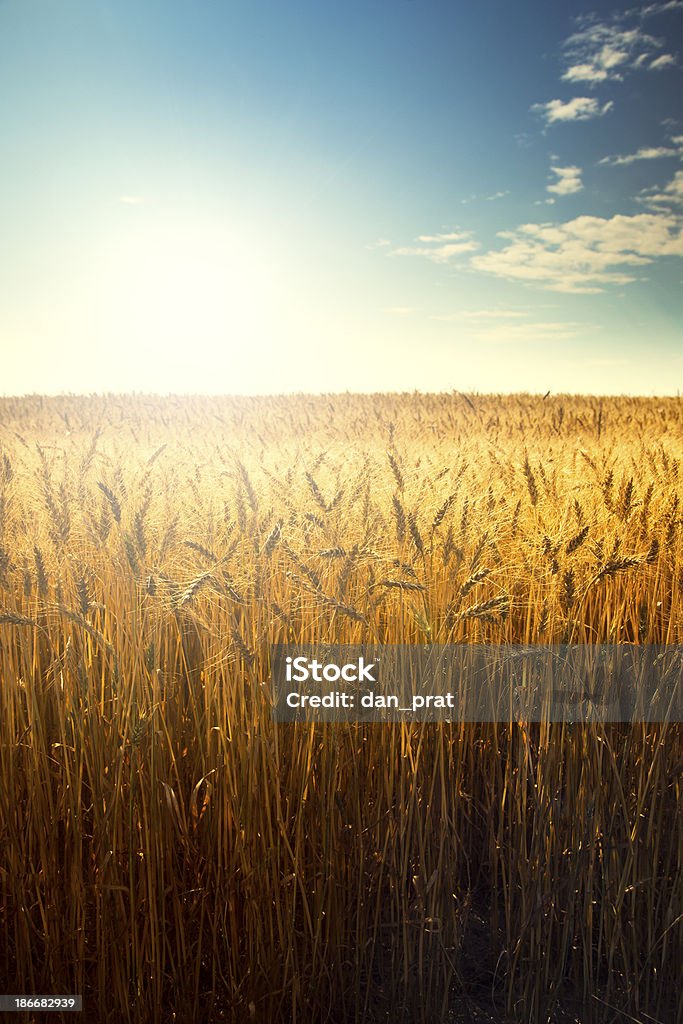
{"x": 171, "y": 853}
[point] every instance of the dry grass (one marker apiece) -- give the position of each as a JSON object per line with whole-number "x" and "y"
{"x": 173, "y": 855}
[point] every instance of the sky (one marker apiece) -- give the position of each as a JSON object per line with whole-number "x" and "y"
{"x": 255, "y": 197}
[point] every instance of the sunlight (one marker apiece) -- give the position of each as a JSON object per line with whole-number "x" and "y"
{"x": 197, "y": 291}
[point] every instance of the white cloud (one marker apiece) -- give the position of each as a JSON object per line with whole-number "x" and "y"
{"x": 451, "y": 236}
{"x": 584, "y": 73}
{"x": 493, "y": 314}
{"x": 587, "y": 253}
{"x": 400, "y": 310}
{"x": 487, "y": 198}
{"x": 550, "y": 330}
{"x": 603, "y": 51}
{"x": 131, "y": 200}
{"x": 503, "y": 325}
{"x": 568, "y": 181}
{"x": 667, "y": 60}
{"x": 644, "y": 153}
{"x": 480, "y": 314}
{"x": 669, "y": 195}
{"x": 440, "y": 248}
{"x": 380, "y": 243}
{"x": 580, "y": 108}
{"x": 670, "y": 5}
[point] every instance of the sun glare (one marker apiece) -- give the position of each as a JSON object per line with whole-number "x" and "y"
{"x": 194, "y": 292}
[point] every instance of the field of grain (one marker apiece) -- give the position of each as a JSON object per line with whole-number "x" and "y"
{"x": 173, "y": 855}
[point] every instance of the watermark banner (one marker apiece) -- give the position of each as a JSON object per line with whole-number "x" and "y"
{"x": 477, "y": 683}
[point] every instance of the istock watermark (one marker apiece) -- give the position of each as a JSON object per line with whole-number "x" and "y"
{"x": 302, "y": 669}
{"x": 477, "y": 683}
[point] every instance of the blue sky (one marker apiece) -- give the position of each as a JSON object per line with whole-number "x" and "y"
{"x": 261, "y": 197}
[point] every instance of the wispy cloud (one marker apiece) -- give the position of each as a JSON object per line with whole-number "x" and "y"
{"x": 487, "y": 198}
{"x": 379, "y": 243}
{"x": 667, "y": 60}
{"x": 602, "y": 51}
{"x": 585, "y": 254}
{"x": 580, "y": 108}
{"x": 585, "y": 73}
{"x": 669, "y": 195}
{"x": 450, "y": 236}
{"x": 644, "y": 153}
{"x": 481, "y": 314}
{"x": 400, "y": 310}
{"x": 568, "y": 181}
{"x": 535, "y": 331}
{"x": 508, "y": 325}
{"x": 441, "y": 248}
{"x": 132, "y": 200}
{"x": 662, "y": 8}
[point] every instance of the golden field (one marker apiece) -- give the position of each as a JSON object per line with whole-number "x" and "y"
{"x": 173, "y": 855}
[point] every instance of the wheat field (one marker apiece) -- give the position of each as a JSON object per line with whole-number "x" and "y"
{"x": 172, "y": 854}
